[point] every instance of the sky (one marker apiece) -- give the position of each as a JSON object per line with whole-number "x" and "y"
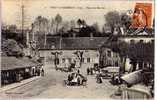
{"x": 11, "y": 11}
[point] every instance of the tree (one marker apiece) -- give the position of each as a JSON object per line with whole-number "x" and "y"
{"x": 116, "y": 20}
{"x": 45, "y": 28}
{"x": 84, "y": 23}
{"x": 41, "y": 27}
{"x": 106, "y": 30}
{"x": 112, "y": 19}
{"x": 96, "y": 27}
{"x": 65, "y": 26}
{"x": 38, "y": 22}
{"x": 11, "y": 48}
{"x": 12, "y": 28}
{"x": 72, "y": 24}
{"x": 79, "y": 23}
{"x": 125, "y": 20}
{"x": 52, "y": 25}
{"x": 44, "y": 24}
{"x": 58, "y": 20}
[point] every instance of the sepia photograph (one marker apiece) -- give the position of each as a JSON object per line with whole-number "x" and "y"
{"x": 77, "y": 49}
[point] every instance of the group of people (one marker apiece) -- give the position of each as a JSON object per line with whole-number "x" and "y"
{"x": 115, "y": 79}
{"x": 90, "y": 71}
{"x": 93, "y": 70}
{"x": 76, "y": 78}
{"x": 68, "y": 66}
{"x": 98, "y": 78}
{"x": 38, "y": 71}
{"x": 73, "y": 79}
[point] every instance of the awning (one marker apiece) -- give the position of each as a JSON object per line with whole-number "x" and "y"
{"x": 133, "y": 78}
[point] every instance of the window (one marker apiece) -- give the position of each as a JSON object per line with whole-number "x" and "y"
{"x": 88, "y": 60}
{"x": 141, "y": 41}
{"x": 116, "y": 63}
{"x": 152, "y": 41}
{"x": 115, "y": 55}
{"x": 109, "y": 53}
{"x": 69, "y": 60}
{"x": 132, "y": 41}
{"x": 52, "y": 47}
{"x": 63, "y": 60}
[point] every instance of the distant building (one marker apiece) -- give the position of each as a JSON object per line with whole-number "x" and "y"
{"x": 89, "y": 47}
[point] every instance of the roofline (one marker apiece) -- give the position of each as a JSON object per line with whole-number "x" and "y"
{"x": 71, "y": 49}
{"x": 120, "y": 36}
{"x": 51, "y": 36}
{"x": 7, "y": 69}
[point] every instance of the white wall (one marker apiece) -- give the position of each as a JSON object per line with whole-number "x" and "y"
{"x": 92, "y": 54}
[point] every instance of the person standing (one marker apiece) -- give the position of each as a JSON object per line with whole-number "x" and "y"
{"x": 78, "y": 71}
{"x": 99, "y": 79}
{"x": 88, "y": 71}
{"x": 91, "y": 71}
{"x": 42, "y": 70}
{"x": 66, "y": 63}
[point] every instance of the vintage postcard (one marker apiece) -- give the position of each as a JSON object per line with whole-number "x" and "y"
{"x": 77, "y": 49}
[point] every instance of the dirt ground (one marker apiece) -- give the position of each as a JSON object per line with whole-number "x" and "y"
{"x": 51, "y": 86}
